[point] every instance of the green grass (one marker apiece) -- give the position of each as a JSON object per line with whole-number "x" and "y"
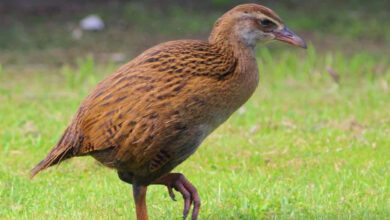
{"x": 303, "y": 147}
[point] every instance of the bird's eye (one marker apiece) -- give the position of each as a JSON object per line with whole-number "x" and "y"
{"x": 266, "y": 22}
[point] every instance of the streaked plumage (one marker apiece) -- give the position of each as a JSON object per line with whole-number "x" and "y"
{"x": 152, "y": 113}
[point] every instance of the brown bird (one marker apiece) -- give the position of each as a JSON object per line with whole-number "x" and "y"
{"x": 153, "y": 112}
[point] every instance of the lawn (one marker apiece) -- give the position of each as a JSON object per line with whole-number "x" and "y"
{"x": 304, "y": 146}
{"x": 312, "y": 143}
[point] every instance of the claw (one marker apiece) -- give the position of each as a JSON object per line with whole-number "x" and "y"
{"x": 171, "y": 194}
{"x": 186, "y": 196}
{"x": 194, "y": 197}
{"x": 188, "y": 191}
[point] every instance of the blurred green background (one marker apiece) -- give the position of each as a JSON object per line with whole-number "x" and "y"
{"x": 312, "y": 143}
{"x": 41, "y": 31}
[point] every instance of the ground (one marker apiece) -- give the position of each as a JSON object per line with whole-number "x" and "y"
{"x": 312, "y": 143}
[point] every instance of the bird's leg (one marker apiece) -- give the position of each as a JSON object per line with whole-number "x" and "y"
{"x": 189, "y": 192}
{"x": 139, "y": 193}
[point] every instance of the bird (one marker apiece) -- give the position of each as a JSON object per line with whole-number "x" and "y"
{"x": 152, "y": 113}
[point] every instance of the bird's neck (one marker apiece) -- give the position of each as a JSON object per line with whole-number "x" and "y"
{"x": 227, "y": 39}
{"x": 246, "y": 75}
{"x": 230, "y": 43}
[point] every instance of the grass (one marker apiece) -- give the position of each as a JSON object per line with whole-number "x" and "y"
{"x": 312, "y": 143}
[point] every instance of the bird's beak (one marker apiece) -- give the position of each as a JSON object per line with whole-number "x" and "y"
{"x": 290, "y": 37}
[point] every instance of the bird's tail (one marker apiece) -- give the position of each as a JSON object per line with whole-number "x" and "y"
{"x": 61, "y": 151}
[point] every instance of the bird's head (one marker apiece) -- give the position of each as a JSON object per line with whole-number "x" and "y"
{"x": 252, "y": 24}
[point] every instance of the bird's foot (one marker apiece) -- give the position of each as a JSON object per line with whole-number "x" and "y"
{"x": 189, "y": 192}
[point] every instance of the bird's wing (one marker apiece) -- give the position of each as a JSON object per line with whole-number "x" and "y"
{"x": 146, "y": 102}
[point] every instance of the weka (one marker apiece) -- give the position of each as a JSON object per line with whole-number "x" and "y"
{"x": 152, "y": 113}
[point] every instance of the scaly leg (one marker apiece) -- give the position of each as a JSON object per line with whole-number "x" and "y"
{"x": 189, "y": 192}
{"x": 139, "y": 193}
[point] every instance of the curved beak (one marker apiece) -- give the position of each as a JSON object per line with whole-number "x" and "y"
{"x": 290, "y": 37}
